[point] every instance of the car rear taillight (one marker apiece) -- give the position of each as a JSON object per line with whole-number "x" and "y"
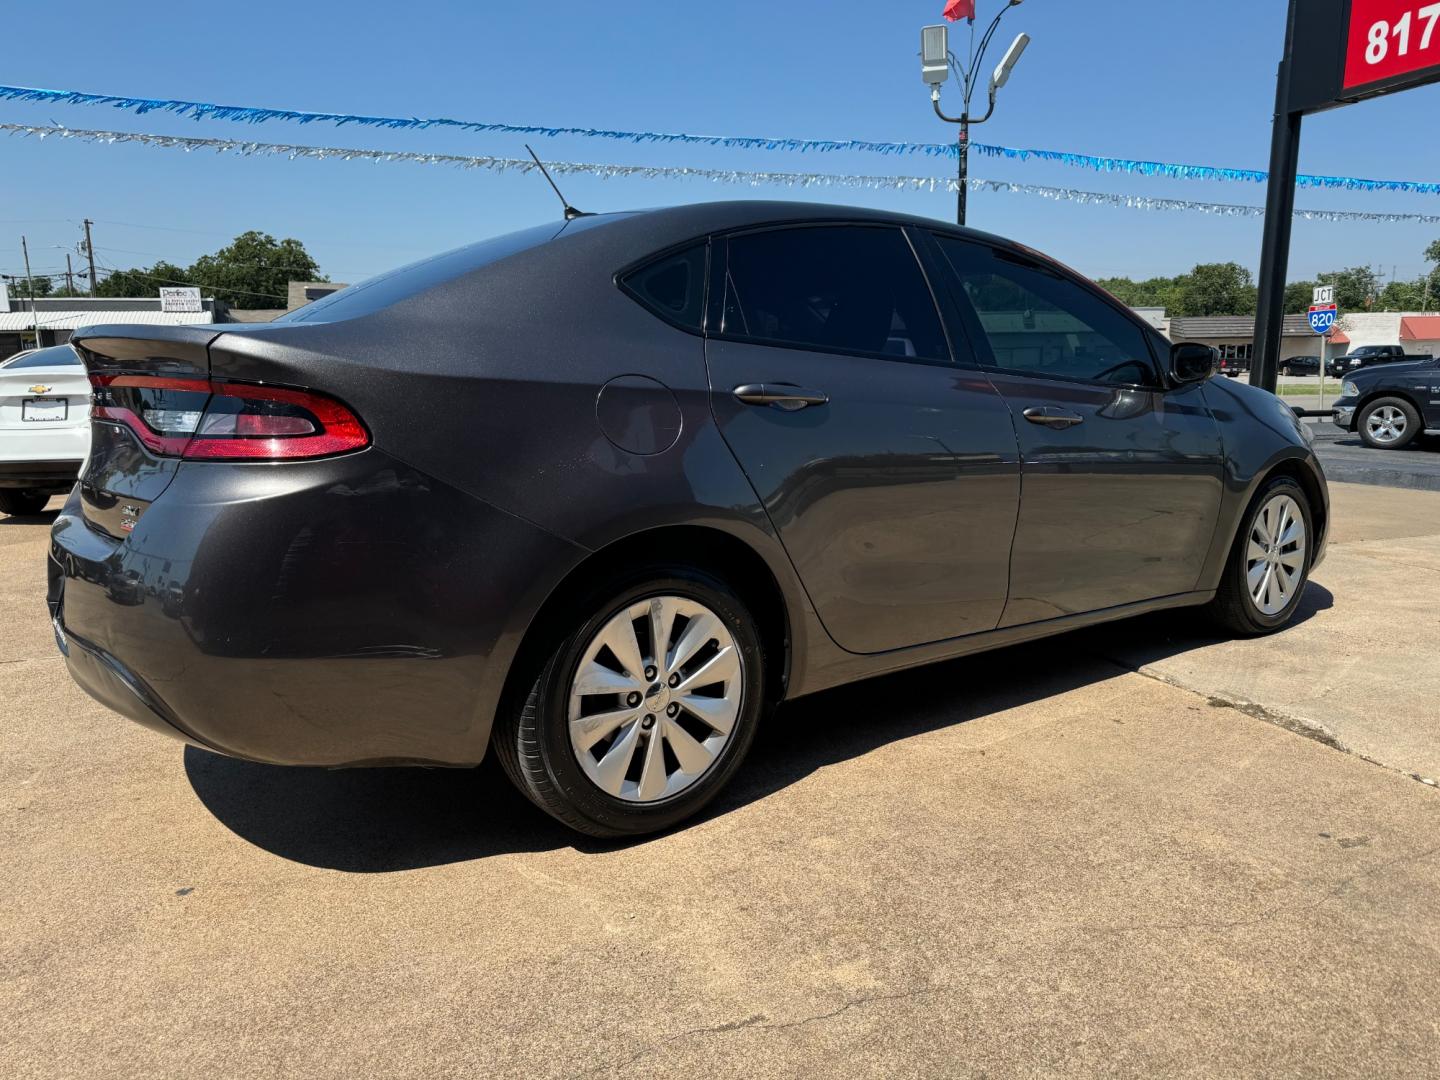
{"x": 226, "y": 421}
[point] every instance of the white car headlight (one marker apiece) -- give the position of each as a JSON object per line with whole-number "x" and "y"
{"x": 1348, "y": 389}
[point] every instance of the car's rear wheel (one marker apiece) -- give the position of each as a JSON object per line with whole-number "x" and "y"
{"x": 1269, "y": 562}
{"x": 1287, "y": 370}
{"x": 644, "y": 710}
{"x": 1388, "y": 423}
{"x": 21, "y": 503}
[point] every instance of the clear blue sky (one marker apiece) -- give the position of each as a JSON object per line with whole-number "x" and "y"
{"x": 1169, "y": 81}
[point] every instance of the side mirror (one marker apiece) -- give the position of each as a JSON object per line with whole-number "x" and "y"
{"x": 1192, "y": 362}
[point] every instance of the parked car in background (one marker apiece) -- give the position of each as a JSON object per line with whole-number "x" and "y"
{"x": 44, "y": 426}
{"x": 1390, "y": 404}
{"x": 1300, "y": 365}
{"x": 749, "y": 451}
{"x": 1232, "y": 366}
{"x": 1368, "y": 355}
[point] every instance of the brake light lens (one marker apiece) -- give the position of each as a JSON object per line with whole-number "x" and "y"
{"x": 226, "y": 421}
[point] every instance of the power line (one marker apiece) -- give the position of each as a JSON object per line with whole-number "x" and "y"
{"x": 192, "y": 284}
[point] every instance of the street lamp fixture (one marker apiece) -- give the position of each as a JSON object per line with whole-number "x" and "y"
{"x": 936, "y": 60}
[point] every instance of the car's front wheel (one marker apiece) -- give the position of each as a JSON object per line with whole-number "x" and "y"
{"x": 644, "y": 710}
{"x": 1269, "y": 561}
{"x": 21, "y": 503}
{"x": 1388, "y": 423}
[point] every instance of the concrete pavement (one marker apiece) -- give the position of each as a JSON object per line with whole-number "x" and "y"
{"x": 1033, "y": 861}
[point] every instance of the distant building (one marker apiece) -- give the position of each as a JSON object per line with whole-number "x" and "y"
{"x": 299, "y": 293}
{"x": 306, "y": 292}
{"x": 1155, "y": 316}
{"x": 1234, "y": 335}
{"x": 60, "y": 316}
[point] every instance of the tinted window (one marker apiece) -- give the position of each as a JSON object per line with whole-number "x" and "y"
{"x": 56, "y": 356}
{"x": 838, "y": 288}
{"x": 1040, "y": 322}
{"x": 673, "y": 286}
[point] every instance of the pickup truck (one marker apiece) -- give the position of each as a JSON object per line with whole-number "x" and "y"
{"x": 1390, "y": 404}
{"x": 1366, "y": 355}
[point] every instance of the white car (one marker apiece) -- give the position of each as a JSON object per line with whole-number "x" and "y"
{"x": 44, "y": 426}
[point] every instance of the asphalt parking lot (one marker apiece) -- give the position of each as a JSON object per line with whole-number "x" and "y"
{"x": 1134, "y": 850}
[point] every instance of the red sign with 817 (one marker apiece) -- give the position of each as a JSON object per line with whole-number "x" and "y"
{"x": 1389, "y": 38}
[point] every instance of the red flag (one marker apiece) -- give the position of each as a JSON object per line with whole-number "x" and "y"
{"x": 955, "y": 10}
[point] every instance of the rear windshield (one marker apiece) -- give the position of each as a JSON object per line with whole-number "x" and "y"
{"x": 55, "y": 356}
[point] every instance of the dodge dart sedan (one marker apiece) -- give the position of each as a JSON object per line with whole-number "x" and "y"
{"x": 598, "y": 495}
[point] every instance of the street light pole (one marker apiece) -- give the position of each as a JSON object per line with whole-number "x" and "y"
{"x": 936, "y": 61}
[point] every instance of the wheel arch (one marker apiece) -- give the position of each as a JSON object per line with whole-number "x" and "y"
{"x": 706, "y": 548}
{"x": 1297, "y": 470}
{"x": 1369, "y": 397}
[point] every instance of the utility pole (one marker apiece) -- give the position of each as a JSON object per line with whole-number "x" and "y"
{"x": 69, "y": 276}
{"x": 30, "y": 283}
{"x": 90, "y": 251}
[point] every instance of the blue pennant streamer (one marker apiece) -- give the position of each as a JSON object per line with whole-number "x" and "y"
{"x": 201, "y": 110}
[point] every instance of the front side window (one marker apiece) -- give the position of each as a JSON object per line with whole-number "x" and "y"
{"x": 832, "y": 288}
{"x": 1040, "y": 322}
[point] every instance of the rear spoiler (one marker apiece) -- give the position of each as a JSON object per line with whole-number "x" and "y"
{"x": 138, "y": 349}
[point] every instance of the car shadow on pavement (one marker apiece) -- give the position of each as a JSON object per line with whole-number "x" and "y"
{"x": 45, "y": 517}
{"x": 392, "y": 819}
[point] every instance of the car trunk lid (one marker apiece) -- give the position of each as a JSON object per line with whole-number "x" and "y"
{"x": 122, "y": 477}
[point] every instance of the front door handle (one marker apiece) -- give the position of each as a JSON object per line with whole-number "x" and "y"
{"x": 781, "y": 395}
{"x": 1052, "y": 417}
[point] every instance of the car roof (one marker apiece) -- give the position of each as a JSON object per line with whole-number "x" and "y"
{"x": 693, "y": 219}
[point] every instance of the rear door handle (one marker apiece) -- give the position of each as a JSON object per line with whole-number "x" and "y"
{"x": 781, "y": 395}
{"x": 1052, "y": 417}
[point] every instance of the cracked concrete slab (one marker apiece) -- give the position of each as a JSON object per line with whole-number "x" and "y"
{"x": 1359, "y": 666}
{"x": 1034, "y": 861}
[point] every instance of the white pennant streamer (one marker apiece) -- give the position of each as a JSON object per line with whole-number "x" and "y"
{"x": 719, "y": 176}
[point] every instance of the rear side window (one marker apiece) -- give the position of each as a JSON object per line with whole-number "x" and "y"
{"x": 832, "y": 288}
{"x": 56, "y": 356}
{"x": 1039, "y": 322}
{"x": 673, "y": 286}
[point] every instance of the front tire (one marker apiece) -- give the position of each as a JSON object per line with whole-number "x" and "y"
{"x": 20, "y": 503}
{"x": 643, "y": 711}
{"x": 1388, "y": 423}
{"x": 1269, "y": 562}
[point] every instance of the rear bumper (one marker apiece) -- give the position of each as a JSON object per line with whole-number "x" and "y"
{"x": 340, "y": 612}
{"x": 46, "y": 475}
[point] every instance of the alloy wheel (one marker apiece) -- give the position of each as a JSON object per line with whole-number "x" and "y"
{"x": 1275, "y": 554}
{"x": 1387, "y": 424}
{"x": 654, "y": 698}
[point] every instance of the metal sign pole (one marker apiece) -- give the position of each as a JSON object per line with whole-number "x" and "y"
{"x": 1279, "y": 216}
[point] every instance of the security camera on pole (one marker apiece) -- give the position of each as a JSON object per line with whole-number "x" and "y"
{"x": 936, "y": 62}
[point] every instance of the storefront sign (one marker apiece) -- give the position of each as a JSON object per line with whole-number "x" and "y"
{"x": 1389, "y": 39}
{"x": 181, "y": 299}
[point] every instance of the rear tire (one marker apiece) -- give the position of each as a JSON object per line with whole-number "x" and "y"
{"x": 1287, "y": 371}
{"x": 1388, "y": 423}
{"x": 1269, "y": 564}
{"x": 667, "y": 747}
{"x": 21, "y": 503}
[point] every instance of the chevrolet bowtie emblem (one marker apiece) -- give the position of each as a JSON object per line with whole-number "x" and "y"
{"x": 39, "y": 388}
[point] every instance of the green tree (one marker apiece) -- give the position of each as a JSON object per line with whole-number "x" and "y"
{"x": 1216, "y": 289}
{"x": 254, "y": 270}
{"x": 1298, "y": 297}
{"x": 1356, "y": 287}
{"x": 1403, "y": 296}
{"x": 141, "y": 281}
